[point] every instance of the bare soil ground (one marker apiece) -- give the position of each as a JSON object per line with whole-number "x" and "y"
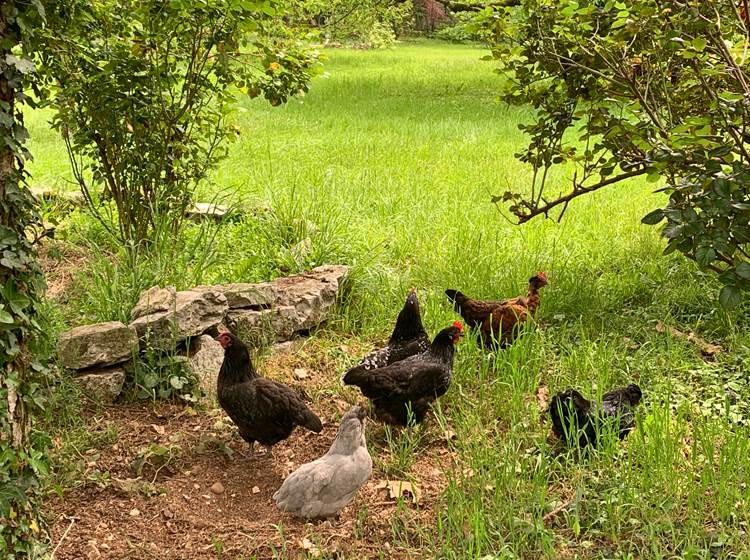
{"x": 171, "y": 511}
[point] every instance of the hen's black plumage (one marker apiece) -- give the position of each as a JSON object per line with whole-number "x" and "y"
{"x": 572, "y": 414}
{"x": 414, "y": 382}
{"x": 408, "y": 338}
{"x": 264, "y": 410}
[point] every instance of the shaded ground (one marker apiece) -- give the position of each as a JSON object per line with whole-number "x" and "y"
{"x": 170, "y": 510}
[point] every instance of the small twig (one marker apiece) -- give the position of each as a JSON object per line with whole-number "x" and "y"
{"x": 551, "y": 515}
{"x": 65, "y": 534}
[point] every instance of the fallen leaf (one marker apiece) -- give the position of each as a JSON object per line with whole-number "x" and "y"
{"x": 158, "y": 429}
{"x": 300, "y": 373}
{"x": 542, "y": 397}
{"x": 310, "y": 547}
{"x": 398, "y": 489}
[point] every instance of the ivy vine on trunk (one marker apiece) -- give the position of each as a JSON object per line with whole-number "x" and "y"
{"x": 22, "y": 451}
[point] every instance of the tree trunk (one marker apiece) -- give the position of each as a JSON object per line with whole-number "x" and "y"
{"x": 8, "y": 177}
{"x": 22, "y": 460}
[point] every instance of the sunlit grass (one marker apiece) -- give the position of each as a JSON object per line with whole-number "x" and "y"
{"x": 388, "y": 164}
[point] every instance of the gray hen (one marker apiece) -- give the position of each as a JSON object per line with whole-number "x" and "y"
{"x": 325, "y": 486}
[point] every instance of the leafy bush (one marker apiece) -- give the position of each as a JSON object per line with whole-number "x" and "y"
{"x": 627, "y": 89}
{"x": 370, "y": 23}
{"x": 165, "y": 376}
{"x": 143, "y": 91}
{"x": 464, "y": 28}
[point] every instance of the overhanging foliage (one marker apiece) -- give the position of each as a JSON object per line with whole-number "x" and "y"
{"x": 650, "y": 87}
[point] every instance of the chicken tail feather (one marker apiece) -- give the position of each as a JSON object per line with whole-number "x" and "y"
{"x": 456, "y": 297}
{"x": 353, "y": 377}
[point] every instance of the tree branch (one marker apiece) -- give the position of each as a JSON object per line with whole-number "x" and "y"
{"x": 475, "y": 6}
{"x": 537, "y": 210}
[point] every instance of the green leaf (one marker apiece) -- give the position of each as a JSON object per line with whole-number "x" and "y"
{"x": 705, "y": 255}
{"x": 6, "y": 317}
{"x": 177, "y": 382}
{"x": 730, "y": 296}
{"x": 743, "y": 270}
{"x": 653, "y": 218}
{"x": 22, "y": 65}
{"x": 699, "y": 44}
{"x": 672, "y": 231}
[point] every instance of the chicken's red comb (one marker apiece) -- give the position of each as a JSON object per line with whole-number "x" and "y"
{"x": 458, "y": 325}
{"x": 542, "y": 275}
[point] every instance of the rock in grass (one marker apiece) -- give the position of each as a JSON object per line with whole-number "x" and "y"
{"x": 191, "y": 314}
{"x": 103, "y": 344}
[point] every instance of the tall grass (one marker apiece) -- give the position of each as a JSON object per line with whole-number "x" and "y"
{"x": 388, "y": 164}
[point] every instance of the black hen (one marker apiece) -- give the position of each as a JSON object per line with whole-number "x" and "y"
{"x": 410, "y": 384}
{"x": 264, "y": 410}
{"x": 573, "y": 416}
{"x": 408, "y": 338}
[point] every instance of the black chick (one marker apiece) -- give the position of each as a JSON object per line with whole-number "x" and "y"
{"x": 408, "y": 338}
{"x": 264, "y": 410}
{"x": 572, "y": 414}
{"x": 413, "y": 383}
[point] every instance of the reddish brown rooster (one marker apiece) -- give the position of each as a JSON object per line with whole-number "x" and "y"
{"x": 264, "y": 410}
{"x": 497, "y": 320}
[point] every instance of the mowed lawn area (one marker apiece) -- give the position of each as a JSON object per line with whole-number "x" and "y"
{"x": 388, "y": 164}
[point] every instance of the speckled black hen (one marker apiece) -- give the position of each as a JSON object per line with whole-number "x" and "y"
{"x": 408, "y": 338}
{"x": 264, "y": 410}
{"x": 409, "y": 386}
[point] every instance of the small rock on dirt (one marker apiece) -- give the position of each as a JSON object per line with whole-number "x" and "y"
{"x": 104, "y": 384}
{"x": 217, "y": 488}
{"x": 256, "y": 490}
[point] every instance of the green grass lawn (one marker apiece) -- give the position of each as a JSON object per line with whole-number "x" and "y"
{"x": 388, "y": 164}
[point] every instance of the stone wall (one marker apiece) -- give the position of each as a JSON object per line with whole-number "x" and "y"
{"x": 187, "y": 321}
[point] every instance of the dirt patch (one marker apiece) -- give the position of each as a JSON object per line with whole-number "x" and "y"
{"x": 170, "y": 511}
{"x": 60, "y": 262}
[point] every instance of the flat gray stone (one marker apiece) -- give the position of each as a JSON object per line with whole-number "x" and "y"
{"x": 74, "y": 198}
{"x": 154, "y": 300}
{"x": 241, "y": 296}
{"x": 278, "y": 323}
{"x": 102, "y": 344}
{"x": 193, "y": 313}
{"x": 312, "y": 294}
{"x": 204, "y": 362}
{"x": 206, "y": 210}
{"x": 104, "y": 384}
